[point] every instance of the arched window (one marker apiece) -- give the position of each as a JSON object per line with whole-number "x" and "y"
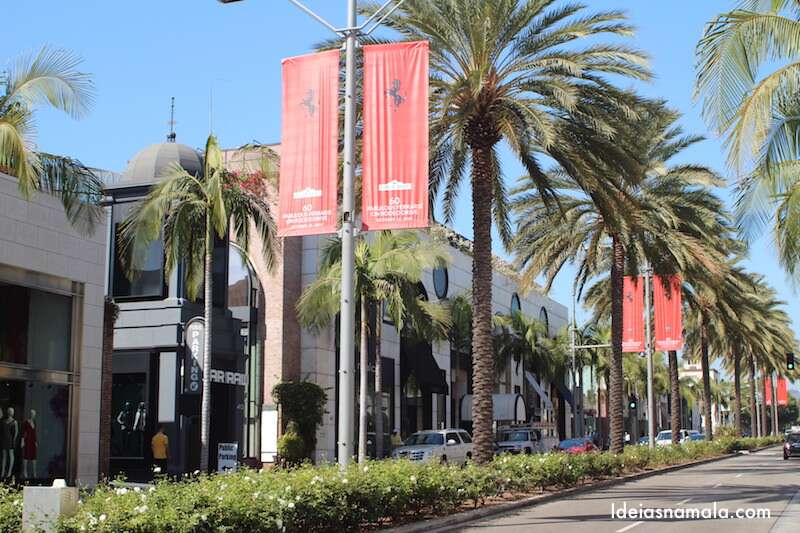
{"x": 441, "y": 280}
{"x": 544, "y": 319}
{"x": 516, "y": 306}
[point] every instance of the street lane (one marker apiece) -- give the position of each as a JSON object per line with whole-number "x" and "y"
{"x": 750, "y": 481}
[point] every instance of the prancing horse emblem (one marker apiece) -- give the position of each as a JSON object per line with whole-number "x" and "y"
{"x": 309, "y": 104}
{"x": 394, "y": 92}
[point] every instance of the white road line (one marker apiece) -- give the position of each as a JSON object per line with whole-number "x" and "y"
{"x": 718, "y": 485}
{"x": 739, "y": 475}
{"x": 626, "y": 528}
{"x": 683, "y": 501}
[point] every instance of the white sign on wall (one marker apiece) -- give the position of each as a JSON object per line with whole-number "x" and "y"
{"x": 227, "y": 456}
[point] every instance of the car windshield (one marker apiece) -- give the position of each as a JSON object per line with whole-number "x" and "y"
{"x": 664, "y": 435}
{"x": 425, "y": 438}
{"x": 793, "y": 438}
{"x": 514, "y": 436}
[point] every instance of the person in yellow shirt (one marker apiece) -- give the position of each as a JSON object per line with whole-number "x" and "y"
{"x": 160, "y": 447}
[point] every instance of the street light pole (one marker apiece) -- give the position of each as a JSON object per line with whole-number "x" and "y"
{"x": 350, "y": 33}
{"x": 575, "y": 421}
{"x": 651, "y": 411}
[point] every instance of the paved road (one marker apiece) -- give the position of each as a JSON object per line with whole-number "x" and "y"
{"x": 756, "y": 481}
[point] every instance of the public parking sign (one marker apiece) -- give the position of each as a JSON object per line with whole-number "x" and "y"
{"x": 194, "y": 355}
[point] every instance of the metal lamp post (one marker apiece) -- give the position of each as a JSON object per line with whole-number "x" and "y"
{"x": 350, "y": 35}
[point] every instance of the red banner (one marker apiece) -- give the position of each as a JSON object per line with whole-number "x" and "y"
{"x": 783, "y": 391}
{"x": 667, "y": 304}
{"x": 309, "y": 145}
{"x": 395, "y": 152}
{"x": 632, "y": 314}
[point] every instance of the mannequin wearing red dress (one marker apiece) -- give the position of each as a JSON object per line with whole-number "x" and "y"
{"x": 29, "y": 445}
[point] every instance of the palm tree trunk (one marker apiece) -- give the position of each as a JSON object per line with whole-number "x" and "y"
{"x": 482, "y": 368}
{"x": 607, "y": 429}
{"x": 205, "y": 408}
{"x": 110, "y": 313}
{"x": 377, "y": 404}
{"x": 751, "y": 367}
{"x": 737, "y": 393}
{"x": 706, "y": 386}
{"x": 617, "y": 423}
{"x": 362, "y": 383}
{"x": 675, "y": 396}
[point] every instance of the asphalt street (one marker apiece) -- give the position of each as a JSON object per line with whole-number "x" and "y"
{"x": 754, "y": 483}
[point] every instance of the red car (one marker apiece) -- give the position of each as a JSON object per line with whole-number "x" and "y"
{"x": 580, "y": 445}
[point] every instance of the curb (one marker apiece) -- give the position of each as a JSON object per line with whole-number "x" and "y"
{"x": 447, "y": 522}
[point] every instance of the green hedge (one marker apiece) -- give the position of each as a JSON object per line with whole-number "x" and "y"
{"x": 323, "y": 499}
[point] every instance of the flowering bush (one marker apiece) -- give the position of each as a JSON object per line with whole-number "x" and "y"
{"x": 325, "y": 499}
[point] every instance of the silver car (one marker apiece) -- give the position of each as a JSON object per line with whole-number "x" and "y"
{"x": 442, "y": 445}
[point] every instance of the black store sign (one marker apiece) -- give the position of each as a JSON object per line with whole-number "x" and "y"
{"x": 194, "y": 356}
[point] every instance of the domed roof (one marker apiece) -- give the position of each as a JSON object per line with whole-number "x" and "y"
{"x": 151, "y": 163}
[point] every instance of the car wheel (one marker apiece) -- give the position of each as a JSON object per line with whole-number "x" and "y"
{"x": 785, "y": 457}
{"x": 443, "y": 460}
{"x": 528, "y": 451}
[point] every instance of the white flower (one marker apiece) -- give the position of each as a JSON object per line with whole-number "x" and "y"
{"x": 291, "y": 505}
{"x": 123, "y": 490}
{"x": 102, "y": 517}
{"x": 288, "y": 488}
{"x": 137, "y": 489}
{"x": 140, "y": 509}
{"x": 366, "y": 469}
{"x": 413, "y": 479}
{"x": 255, "y": 495}
{"x": 344, "y": 481}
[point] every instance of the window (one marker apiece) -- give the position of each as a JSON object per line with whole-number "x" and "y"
{"x": 545, "y": 320}
{"x": 33, "y": 429}
{"x": 441, "y": 280}
{"x": 452, "y": 436}
{"x": 148, "y": 281}
{"x": 35, "y": 328}
{"x": 465, "y": 437}
{"x": 516, "y": 306}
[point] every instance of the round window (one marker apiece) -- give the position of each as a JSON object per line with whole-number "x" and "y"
{"x": 440, "y": 282}
{"x": 516, "y": 306}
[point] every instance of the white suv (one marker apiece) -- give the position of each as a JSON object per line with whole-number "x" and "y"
{"x": 443, "y": 445}
{"x": 518, "y": 440}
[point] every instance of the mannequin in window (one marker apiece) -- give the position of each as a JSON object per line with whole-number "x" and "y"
{"x": 139, "y": 423}
{"x": 9, "y": 431}
{"x": 125, "y": 422}
{"x": 29, "y": 445}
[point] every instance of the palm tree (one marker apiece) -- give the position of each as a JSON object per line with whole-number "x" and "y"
{"x": 48, "y": 77}
{"x": 663, "y": 214}
{"x": 189, "y": 211}
{"x": 748, "y": 73}
{"x": 500, "y": 71}
{"x": 388, "y": 269}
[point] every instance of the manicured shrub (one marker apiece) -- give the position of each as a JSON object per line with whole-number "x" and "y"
{"x": 291, "y": 446}
{"x": 325, "y": 499}
{"x": 302, "y": 402}
{"x": 10, "y": 510}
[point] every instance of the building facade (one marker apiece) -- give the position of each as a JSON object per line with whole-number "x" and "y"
{"x": 51, "y": 318}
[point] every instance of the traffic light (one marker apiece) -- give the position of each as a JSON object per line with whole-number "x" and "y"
{"x": 790, "y": 361}
{"x": 633, "y": 402}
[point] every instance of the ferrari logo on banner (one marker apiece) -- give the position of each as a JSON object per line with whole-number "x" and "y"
{"x": 395, "y": 166}
{"x": 632, "y": 314}
{"x": 309, "y": 145}
{"x": 667, "y": 304}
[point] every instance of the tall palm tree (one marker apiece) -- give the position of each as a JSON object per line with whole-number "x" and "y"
{"x": 48, "y": 77}
{"x": 663, "y": 214}
{"x": 500, "y": 71}
{"x": 388, "y": 269}
{"x": 748, "y": 74}
{"x": 188, "y": 212}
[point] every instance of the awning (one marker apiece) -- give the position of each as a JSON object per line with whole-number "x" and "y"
{"x": 564, "y": 392}
{"x": 505, "y": 408}
{"x": 418, "y": 360}
{"x": 539, "y": 390}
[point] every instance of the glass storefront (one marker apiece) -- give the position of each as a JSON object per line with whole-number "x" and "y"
{"x": 36, "y": 381}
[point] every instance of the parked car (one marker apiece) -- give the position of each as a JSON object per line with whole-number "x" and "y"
{"x": 579, "y": 445}
{"x": 664, "y": 438}
{"x": 695, "y": 436}
{"x": 644, "y": 440}
{"x": 443, "y": 445}
{"x": 518, "y": 440}
{"x": 792, "y": 445}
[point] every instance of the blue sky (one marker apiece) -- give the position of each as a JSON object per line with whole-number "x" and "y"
{"x": 142, "y": 53}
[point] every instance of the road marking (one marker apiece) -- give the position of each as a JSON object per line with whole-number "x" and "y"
{"x": 739, "y": 475}
{"x": 787, "y": 523}
{"x": 718, "y": 485}
{"x": 684, "y": 501}
{"x": 626, "y": 528}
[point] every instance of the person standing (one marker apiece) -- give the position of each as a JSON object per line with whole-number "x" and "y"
{"x": 159, "y": 445}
